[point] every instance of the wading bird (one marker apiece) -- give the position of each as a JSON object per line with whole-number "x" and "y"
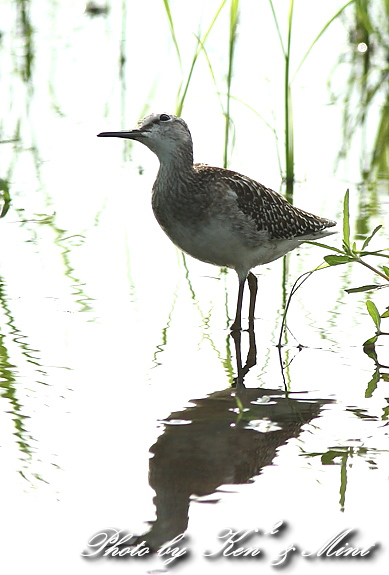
{"x": 219, "y": 216}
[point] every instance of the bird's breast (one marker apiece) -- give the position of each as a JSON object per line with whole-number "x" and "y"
{"x": 215, "y": 238}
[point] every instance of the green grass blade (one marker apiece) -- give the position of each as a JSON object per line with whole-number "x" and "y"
{"x": 320, "y": 245}
{"x": 378, "y": 253}
{"x": 362, "y": 288}
{"x": 234, "y": 13}
{"x": 218, "y": 93}
{"x": 374, "y": 313}
{"x": 172, "y": 31}
{"x": 367, "y": 240}
{"x": 321, "y": 34}
{"x": 261, "y": 118}
{"x": 277, "y": 27}
{"x": 182, "y": 93}
{"x": 380, "y": 158}
{"x": 346, "y": 219}
{"x": 199, "y": 47}
{"x": 289, "y": 136}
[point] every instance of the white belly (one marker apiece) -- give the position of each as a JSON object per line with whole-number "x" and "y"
{"x": 221, "y": 246}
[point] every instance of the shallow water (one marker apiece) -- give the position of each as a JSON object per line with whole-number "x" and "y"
{"x": 116, "y": 361}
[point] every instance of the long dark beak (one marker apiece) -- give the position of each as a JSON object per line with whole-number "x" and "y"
{"x": 129, "y": 134}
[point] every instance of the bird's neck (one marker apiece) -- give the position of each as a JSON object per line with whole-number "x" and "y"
{"x": 175, "y": 166}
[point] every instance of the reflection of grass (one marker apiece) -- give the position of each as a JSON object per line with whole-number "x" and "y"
{"x": 5, "y": 197}
{"x": 62, "y": 241}
{"x": 343, "y": 455}
{"x": 159, "y": 348}
{"x": 8, "y": 381}
{"x": 205, "y": 319}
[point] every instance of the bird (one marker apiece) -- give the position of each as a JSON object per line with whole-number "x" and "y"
{"x": 216, "y": 215}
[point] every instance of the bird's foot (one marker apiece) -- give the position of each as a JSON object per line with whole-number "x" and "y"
{"x": 235, "y": 328}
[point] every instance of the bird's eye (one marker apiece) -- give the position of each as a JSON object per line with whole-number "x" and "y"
{"x": 164, "y": 117}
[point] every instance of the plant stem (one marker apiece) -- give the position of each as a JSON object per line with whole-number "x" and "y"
{"x": 289, "y": 148}
{"x": 234, "y": 12}
{"x": 372, "y": 269}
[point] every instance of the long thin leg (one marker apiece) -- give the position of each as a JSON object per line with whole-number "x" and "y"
{"x": 236, "y": 336}
{"x": 236, "y": 326}
{"x": 251, "y": 356}
{"x": 252, "y": 353}
{"x": 253, "y": 285}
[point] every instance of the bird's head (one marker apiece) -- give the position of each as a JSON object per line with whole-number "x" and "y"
{"x": 164, "y": 134}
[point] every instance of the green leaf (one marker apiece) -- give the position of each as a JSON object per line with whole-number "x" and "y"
{"x": 328, "y": 458}
{"x": 337, "y": 260}
{"x": 369, "y": 348}
{"x": 374, "y": 313}
{"x": 386, "y": 270}
{"x": 372, "y": 385}
{"x": 385, "y": 314}
{"x": 5, "y": 196}
{"x": 346, "y": 219}
{"x": 324, "y": 246}
{"x": 377, "y": 253}
{"x": 367, "y": 240}
{"x": 362, "y": 288}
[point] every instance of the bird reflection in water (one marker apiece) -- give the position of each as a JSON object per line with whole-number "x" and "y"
{"x": 251, "y": 359}
{"x": 225, "y": 438}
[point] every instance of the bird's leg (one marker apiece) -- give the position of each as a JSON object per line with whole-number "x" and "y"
{"x": 253, "y": 286}
{"x": 236, "y": 326}
{"x": 252, "y": 353}
{"x": 236, "y": 336}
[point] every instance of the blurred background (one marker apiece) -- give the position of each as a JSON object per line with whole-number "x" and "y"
{"x": 116, "y": 362}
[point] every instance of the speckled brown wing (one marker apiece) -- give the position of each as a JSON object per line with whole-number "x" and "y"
{"x": 270, "y": 211}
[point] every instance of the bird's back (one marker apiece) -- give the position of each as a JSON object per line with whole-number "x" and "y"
{"x": 266, "y": 210}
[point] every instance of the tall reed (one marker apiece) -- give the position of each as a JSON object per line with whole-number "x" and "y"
{"x": 234, "y": 15}
{"x": 368, "y": 83}
{"x": 288, "y": 107}
{"x": 289, "y": 136}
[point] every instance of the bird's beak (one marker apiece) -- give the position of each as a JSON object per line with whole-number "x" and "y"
{"x": 129, "y": 134}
